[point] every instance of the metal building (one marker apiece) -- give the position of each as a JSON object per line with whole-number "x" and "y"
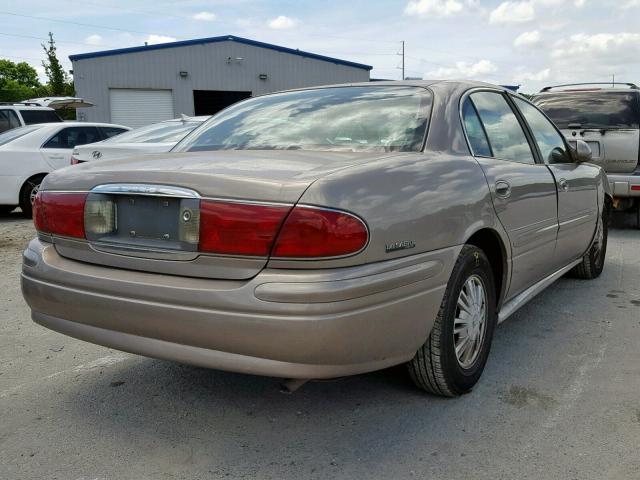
{"x": 140, "y": 85}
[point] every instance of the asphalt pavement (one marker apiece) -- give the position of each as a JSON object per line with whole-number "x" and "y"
{"x": 559, "y": 399}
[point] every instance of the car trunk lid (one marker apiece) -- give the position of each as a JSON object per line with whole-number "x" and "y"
{"x": 151, "y": 194}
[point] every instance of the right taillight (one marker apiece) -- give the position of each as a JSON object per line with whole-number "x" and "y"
{"x": 313, "y": 232}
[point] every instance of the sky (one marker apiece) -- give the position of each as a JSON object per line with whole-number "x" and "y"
{"x": 532, "y": 43}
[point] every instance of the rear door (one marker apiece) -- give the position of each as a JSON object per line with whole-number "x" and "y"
{"x": 57, "y": 149}
{"x": 607, "y": 120}
{"x": 523, "y": 191}
{"x": 577, "y": 192}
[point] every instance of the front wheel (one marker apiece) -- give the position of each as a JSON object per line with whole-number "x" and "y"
{"x": 452, "y": 359}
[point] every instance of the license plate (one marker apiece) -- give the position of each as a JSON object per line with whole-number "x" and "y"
{"x": 144, "y": 221}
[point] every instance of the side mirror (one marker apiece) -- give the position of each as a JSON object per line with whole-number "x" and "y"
{"x": 583, "y": 152}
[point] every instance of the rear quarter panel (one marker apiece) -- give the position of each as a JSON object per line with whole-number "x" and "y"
{"x": 434, "y": 200}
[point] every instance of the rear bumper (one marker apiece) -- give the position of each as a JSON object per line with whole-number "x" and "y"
{"x": 624, "y": 185}
{"x": 284, "y": 323}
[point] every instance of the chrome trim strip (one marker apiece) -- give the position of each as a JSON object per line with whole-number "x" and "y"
{"x": 522, "y": 298}
{"x": 145, "y": 189}
{"x": 248, "y": 202}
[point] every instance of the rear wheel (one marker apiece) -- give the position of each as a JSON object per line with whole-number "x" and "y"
{"x": 452, "y": 359}
{"x": 28, "y": 194}
{"x": 592, "y": 262}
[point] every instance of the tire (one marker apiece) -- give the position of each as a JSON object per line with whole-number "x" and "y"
{"x": 27, "y": 192}
{"x": 592, "y": 262}
{"x": 436, "y": 367}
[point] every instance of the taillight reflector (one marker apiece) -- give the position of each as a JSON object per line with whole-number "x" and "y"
{"x": 74, "y": 160}
{"x": 239, "y": 228}
{"x": 60, "y": 213}
{"x": 635, "y": 187}
{"x": 315, "y": 232}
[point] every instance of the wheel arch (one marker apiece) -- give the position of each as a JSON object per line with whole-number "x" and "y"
{"x": 490, "y": 242}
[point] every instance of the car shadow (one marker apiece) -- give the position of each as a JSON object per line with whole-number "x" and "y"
{"x": 13, "y": 216}
{"x": 231, "y": 423}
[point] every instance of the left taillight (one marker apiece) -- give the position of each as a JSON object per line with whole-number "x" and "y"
{"x": 60, "y": 213}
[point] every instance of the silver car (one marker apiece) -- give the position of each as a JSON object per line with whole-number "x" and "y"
{"x": 323, "y": 232}
{"x": 607, "y": 118}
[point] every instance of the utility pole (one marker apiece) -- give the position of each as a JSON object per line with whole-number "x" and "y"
{"x": 613, "y": 80}
{"x": 402, "y": 59}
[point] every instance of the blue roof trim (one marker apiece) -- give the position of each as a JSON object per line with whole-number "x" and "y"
{"x": 226, "y": 38}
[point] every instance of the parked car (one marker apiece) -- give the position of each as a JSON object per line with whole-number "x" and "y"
{"x": 15, "y": 115}
{"x": 607, "y": 117}
{"x": 29, "y": 153}
{"x": 323, "y": 232}
{"x": 154, "y": 138}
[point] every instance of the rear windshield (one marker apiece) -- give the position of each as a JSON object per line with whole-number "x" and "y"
{"x": 591, "y": 109}
{"x": 325, "y": 119}
{"x": 16, "y": 133}
{"x": 165, "y": 132}
{"x": 39, "y": 116}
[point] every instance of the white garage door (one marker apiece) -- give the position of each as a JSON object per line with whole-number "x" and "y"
{"x": 136, "y": 108}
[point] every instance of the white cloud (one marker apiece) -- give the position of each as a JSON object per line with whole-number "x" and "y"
{"x": 432, "y": 8}
{"x": 527, "y": 39}
{"x": 579, "y": 3}
{"x": 153, "y": 39}
{"x": 94, "y": 39}
{"x": 526, "y": 76}
{"x": 513, "y": 12}
{"x": 630, "y": 4}
{"x": 609, "y": 48}
{"x": 464, "y": 70}
{"x": 205, "y": 16}
{"x": 282, "y": 22}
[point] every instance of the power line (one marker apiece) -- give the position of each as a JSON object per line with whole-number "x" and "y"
{"x": 104, "y": 27}
{"x": 57, "y": 40}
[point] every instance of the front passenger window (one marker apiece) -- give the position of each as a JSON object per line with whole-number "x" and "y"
{"x": 550, "y": 142}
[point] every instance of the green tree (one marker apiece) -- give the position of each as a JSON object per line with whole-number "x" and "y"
{"x": 59, "y": 83}
{"x": 18, "y": 81}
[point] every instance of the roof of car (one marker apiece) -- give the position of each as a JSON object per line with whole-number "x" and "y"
{"x": 411, "y": 83}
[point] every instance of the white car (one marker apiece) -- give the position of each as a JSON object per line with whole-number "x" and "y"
{"x": 28, "y": 153}
{"x": 155, "y": 138}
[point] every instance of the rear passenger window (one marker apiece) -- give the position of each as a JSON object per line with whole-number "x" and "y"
{"x": 475, "y": 132}
{"x": 506, "y": 137}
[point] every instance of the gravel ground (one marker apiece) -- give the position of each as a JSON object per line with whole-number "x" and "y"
{"x": 559, "y": 399}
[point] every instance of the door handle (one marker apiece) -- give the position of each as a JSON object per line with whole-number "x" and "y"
{"x": 563, "y": 184}
{"x": 503, "y": 189}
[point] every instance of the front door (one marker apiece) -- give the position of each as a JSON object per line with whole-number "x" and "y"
{"x": 576, "y": 182}
{"x": 523, "y": 191}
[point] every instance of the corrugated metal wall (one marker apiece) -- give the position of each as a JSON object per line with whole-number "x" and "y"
{"x": 208, "y": 69}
